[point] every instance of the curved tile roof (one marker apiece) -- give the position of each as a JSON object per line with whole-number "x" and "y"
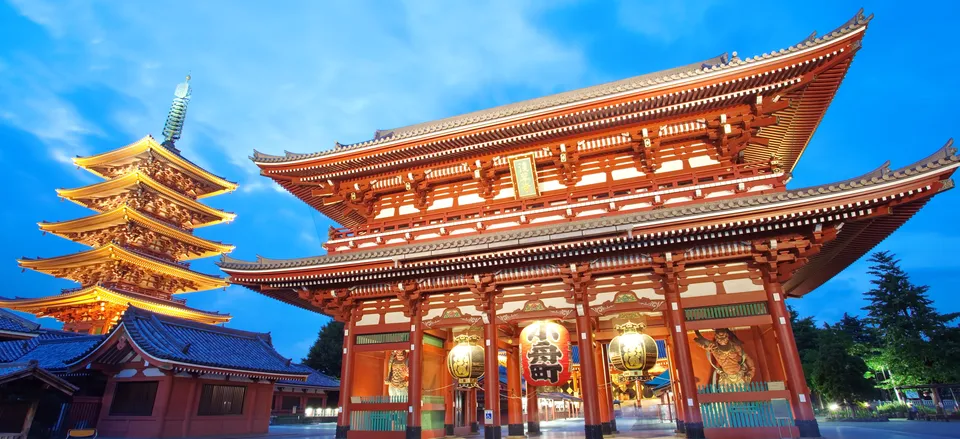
{"x": 316, "y": 379}
{"x": 945, "y": 156}
{"x": 710, "y": 65}
{"x": 13, "y": 323}
{"x": 183, "y": 341}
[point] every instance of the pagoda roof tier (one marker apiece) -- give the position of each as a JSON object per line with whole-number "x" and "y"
{"x": 89, "y": 267}
{"x": 78, "y": 230}
{"x": 100, "y": 294}
{"x": 182, "y": 345}
{"x": 865, "y": 210}
{"x": 110, "y": 193}
{"x": 112, "y": 164}
{"x": 807, "y": 75}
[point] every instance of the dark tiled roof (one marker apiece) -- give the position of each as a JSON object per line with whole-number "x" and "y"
{"x": 51, "y": 350}
{"x": 178, "y": 340}
{"x": 718, "y": 63}
{"x": 14, "y": 323}
{"x": 316, "y": 379}
{"x": 945, "y": 156}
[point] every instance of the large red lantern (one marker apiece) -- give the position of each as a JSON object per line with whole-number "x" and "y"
{"x": 545, "y": 354}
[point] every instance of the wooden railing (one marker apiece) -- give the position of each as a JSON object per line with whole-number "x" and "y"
{"x": 612, "y": 188}
{"x": 756, "y": 386}
{"x": 379, "y": 399}
{"x": 740, "y": 415}
{"x": 726, "y": 311}
{"x": 378, "y": 420}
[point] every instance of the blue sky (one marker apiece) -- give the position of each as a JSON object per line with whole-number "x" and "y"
{"x": 83, "y": 77}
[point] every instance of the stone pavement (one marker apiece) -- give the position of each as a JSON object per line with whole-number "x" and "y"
{"x": 573, "y": 428}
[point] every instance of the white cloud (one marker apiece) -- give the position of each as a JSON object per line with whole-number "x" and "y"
{"x": 301, "y": 76}
{"x": 664, "y": 21}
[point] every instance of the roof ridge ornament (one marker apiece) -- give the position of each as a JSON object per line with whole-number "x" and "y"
{"x": 173, "y": 128}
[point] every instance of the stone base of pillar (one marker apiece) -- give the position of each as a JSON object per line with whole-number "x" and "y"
{"x": 680, "y": 427}
{"x": 606, "y": 429}
{"x": 492, "y": 432}
{"x": 413, "y": 432}
{"x": 808, "y": 427}
{"x": 592, "y": 432}
{"x": 613, "y": 426}
{"x": 448, "y": 429}
{"x": 694, "y": 430}
{"x": 533, "y": 428}
{"x": 474, "y": 427}
{"x": 515, "y": 430}
{"x": 342, "y": 431}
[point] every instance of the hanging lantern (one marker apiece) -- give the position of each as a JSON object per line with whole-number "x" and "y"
{"x": 545, "y": 354}
{"x": 465, "y": 360}
{"x": 633, "y": 352}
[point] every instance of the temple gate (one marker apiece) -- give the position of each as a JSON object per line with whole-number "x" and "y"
{"x": 655, "y": 202}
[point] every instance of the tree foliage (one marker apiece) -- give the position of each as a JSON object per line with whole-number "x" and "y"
{"x": 326, "y": 354}
{"x": 915, "y": 342}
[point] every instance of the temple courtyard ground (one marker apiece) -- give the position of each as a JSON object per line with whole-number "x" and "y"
{"x": 573, "y": 428}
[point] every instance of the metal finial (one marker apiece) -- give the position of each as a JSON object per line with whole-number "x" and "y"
{"x": 177, "y": 115}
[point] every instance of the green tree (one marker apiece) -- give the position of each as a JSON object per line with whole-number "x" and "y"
{"x": 805, "y": 334}
{"x": 326, "y": 354}
{"x": 916, "y": 344}
{"x": 836, "y": 373}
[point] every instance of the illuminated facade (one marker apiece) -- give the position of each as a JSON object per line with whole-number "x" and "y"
{"x": 140, "y": 237}
{"x": 659, "y": 199}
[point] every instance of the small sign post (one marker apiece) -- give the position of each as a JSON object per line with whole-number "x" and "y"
{"x": 488, "y": 417}
{"x": 781, "y": 412}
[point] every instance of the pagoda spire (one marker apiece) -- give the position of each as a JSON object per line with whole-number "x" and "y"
{"x": 178, "y": 113}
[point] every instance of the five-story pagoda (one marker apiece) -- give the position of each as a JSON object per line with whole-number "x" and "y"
{"x": 140, "y": 236}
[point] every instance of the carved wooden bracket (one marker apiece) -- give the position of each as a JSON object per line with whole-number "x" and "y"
{"x": 779, "y": 258}
{"x": 579, "y": 279}
{"x": 668, "y": 268}
{"x": 409, "y": 294}
{"x": 484, "y": 287}
{"x": 566, "y": 159}
{"x": 645, "y": 150}
{"x": 415, "y": 182}
{"x": 486, "y": 176}
{"x": 338, "y": 304}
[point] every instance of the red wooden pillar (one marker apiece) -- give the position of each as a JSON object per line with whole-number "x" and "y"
{"x": 609, "y": 381}
{"x": 675, "y": 384}
{"x": 514, "y": 395}
{"x": 588, "y": 375}
{"x": 346, "y": 379}
{"x": 693, "y": 423}
{"x": 799, "y": 395}
{"x": 449, "y": 393}
{"x": 533, "y": 411}
{"x": 603, "y": 398}
{"x": 472, "y": 410}
{"x": 415, "y": 390}
{"x": 191, "y": 406}
{"x": 491, "y": 390}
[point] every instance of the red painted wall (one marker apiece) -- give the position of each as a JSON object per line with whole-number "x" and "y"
{"x": 368, "y": 374}
{"x": 175, "y": 410}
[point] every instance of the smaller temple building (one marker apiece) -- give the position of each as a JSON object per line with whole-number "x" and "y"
{"x": 155, "y": 375}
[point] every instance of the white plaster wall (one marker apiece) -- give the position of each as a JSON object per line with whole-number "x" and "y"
{"x": 441, "y": 203}
{"x": 670, "y": 166}
{"x": 408, "y": 208}
{"x": 464, "y": 200}
{"x": 740, "y": 286}
{"x": 700, "y": 289}
{"x": 701, "y": 160}
{"x": 551, "y": 185}
{"x": 395, "y": 317}
{"x": 588, "y": 179}
{"x": 625, "y": 173}
{"x": 369, "y": 319}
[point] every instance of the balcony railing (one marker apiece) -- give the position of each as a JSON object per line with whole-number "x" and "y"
{"x": 726, "y": 311}
{"x": 477, "y": 211}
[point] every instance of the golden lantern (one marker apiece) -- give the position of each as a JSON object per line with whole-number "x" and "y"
{"x": 632, "y": 352}
{"x": 465, "y": 360}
